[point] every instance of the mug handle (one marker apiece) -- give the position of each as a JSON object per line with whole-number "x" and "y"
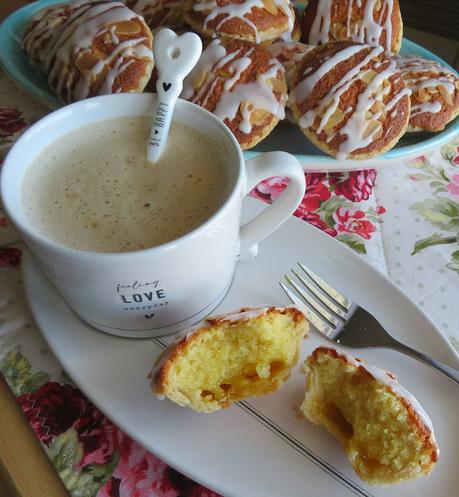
{"x": 261, "y": 167}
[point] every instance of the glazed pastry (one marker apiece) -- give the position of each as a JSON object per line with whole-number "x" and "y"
{"x": 383, "y": 429}
{"x": 231, "y": 357}
{"x": 435, "y": 92}
{"x": 101, "y": 47}
{"x": 43, "y": 24}
{"x": 376, "y": 22}
{"x": 157, "y": 13}
{"x": 243, "y": 85}
{"x": 350, "y": 100}
{"x": 251, "y": 20}
{"x": 289, "y": 55}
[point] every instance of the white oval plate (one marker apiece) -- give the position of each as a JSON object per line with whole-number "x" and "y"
{"x": 286, "y": 137}
{"x": 260, "y": 447}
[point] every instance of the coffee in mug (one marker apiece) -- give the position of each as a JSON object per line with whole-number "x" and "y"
{"x": 168, "y": 286}
{"x": 93, "y": 189}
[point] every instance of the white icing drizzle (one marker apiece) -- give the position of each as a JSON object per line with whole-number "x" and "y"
{"x": 47, "y": 21}
{"x": 415, "y": 64}
{"x": 257, "y": 94}
{"x": 368, "y": 29}
{"x": 357, "y": 122}
{"x": 384, "y": 377}
{"x": 114, "y": 38}
{"x": 230, "y": 10}
{"x": 214, "y": 53}
{"x": 88, "y": 20}
{"x": 320, "y": 29}
{"x": 119, "y": 66}
{"x": 308, "y": 83}
{"x": 430, "y": 107}
{"x": 149, "y": 9}
{"x": 244, "y": 314}
{"x": 356, "y": 125}
{"x": 417, "y": 74}
{"x": 289, "y": 54}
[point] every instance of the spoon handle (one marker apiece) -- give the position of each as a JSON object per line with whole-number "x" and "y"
{"x": 174, "y": 56}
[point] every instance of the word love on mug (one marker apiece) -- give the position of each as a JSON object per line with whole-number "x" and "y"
{"x": 142, "y": 296}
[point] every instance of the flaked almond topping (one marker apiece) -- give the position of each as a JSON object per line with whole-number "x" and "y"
{"x": 336, "y": 30}
{"x": 127, "y": 28}
{"x": 368, "y": 76}
{"x": 372, "y": 126}
{"x": 258, "y": 116}
{"x": 334, "y": 120}
{"x": 278, "y": 85}
{"x": 245, "y": 106}
{"x": 445, "y": 94}
{"x": 377, "y": 106}
{"x": 199, "y": 81}
{"x": 54, "y": 21}
{"x": 423, "y": 95}
{"x": 224, "y": 73}
{"x": 271, "y": 7}
{"x": 86, "y": 61}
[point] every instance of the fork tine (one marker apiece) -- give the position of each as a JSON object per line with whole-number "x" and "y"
{"x": 328, "y": 303}
{"x": 314, "y": 304}
{"x": 313, "y": 318}
{"x": 328, "y": 290}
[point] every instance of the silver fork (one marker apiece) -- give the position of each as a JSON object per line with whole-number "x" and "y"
{"x": 343, "y": 321}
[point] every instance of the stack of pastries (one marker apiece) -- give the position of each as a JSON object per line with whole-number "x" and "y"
{"x": 335, "y": 65}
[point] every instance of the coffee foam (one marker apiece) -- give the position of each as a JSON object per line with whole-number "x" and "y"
{"x": 93, "y": 189}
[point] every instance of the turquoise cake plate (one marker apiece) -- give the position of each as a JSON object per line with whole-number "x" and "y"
{"x": 287, "y": 137}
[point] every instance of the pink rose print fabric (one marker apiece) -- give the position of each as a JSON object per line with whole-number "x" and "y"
{"x": 70, "y": 426}
{"x": 329, "y": 204}
{"x": 453, "y": 185}
{"x": 11, "y": 122}
{"x": 10, "y": 256}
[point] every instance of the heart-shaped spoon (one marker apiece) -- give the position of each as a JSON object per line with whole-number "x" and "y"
{"x": 174, "y": 56}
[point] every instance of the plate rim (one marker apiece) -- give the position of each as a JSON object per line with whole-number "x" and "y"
{"x": 202, "y": 478}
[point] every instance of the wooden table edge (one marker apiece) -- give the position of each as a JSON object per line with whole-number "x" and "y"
{"x": 25, "y": 469}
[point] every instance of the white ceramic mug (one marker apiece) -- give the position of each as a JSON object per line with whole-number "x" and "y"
{"x": 159, "y": 290}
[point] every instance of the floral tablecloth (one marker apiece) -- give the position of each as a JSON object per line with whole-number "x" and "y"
{"x": 404, "y": 219}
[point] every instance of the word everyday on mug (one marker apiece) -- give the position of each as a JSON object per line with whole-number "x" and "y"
{"x": 138, "y": 249}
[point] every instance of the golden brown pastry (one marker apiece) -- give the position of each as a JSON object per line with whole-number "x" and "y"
{"x": 435, "y": 92}
{"x": 231, "y": 357}
{"x": 91, "y": 48}
{"x": 376, "y": 22}
{"x": 42, "y": 26}
{"x": 159, "y": 12}
{"x": 295, "y": 34}
{"x": 383, "y": 429}
{"x": 350, "y": 100}
{"x": 251, "y": 20}
{"x": 242, "y": 85}
{"x": 289, "y": 55}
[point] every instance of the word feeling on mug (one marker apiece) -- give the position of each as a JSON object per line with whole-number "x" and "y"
{"x": 142, "y": 296}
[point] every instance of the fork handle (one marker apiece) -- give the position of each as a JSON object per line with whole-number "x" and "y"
{"x": 451, "y": 373}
